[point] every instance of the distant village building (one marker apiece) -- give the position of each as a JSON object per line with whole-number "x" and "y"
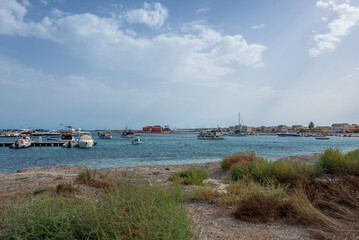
{"x": 339, "y": 127}
{"x": 282, "y": 128}
{"x": 152, "y": 129}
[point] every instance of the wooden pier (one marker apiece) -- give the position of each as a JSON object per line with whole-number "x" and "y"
{"x": 35, "y": 144}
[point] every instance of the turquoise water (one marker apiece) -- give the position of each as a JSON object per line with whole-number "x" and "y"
{"x": 179, "y": 148}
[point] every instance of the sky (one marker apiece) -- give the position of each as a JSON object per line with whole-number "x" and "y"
{"x": 187, "y": 64}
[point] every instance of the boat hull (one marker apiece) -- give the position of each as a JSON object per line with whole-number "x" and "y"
{"x": 86, "y": 143}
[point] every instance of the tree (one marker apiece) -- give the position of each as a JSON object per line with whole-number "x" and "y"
{"x": 311, "y": 125}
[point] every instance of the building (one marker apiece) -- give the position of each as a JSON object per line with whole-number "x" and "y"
{"x": 152, "y": 129}
{"x": 282, "y": 128}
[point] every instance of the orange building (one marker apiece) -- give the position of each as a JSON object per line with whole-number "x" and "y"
{"x": 152, "y": 129}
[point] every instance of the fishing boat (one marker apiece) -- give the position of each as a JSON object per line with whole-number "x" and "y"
{"x": 106, "y": 134}
{"x": 127, "y": 134}
{"x": 24, "y": 141}
{"x": 322, "y": 138}
{"x": 209, "y": 135}
{"x": 85, "y": 140}
{"x": 136, "y": 140}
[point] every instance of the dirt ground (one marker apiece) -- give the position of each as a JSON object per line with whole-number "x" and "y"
{"x": 210, "y": 220}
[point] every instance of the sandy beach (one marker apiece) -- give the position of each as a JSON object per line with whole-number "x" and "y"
{"x": 212, "y": 221}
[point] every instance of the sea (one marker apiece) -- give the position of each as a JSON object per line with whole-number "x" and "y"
{"x": 158, "y": 149}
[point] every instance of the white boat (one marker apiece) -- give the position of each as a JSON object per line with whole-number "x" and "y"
{"x": 85, "y": 141}
{"x": 289, "y": 134}
{"x": 136, "y": 140}
{"x": 105, "y": 134}
{"x": 24, "y": 141}
{"x": 209, "y": 135}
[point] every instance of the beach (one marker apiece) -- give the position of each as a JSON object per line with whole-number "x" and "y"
{"x": 210, "y": 220}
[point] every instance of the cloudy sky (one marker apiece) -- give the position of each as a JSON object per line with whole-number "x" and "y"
{"x": 113, "y": 63}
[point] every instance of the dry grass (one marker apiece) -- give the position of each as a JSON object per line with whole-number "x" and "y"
{"x": 240, "y": 158}
{"x": 89, "y": 177}
{"x": 65, "y": 189}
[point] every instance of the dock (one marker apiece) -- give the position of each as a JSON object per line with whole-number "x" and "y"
{"x": 35, "y": 144}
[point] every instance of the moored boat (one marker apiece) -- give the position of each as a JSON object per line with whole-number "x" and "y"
{"x": 127, "y": 134}
{"x": 106, "y": 134}
{"x": 209, "y": 135}
{"x": 136, "y": 140}
{"x": 85, "y": 141}
{"x": 289, "y": 134}
{"x": 24, "y": 141}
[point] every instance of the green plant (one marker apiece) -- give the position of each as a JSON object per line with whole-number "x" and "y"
{"x": 192, "y": 175}
{"x": 126, "y": 210}
{"x": 332, "y": 161}
{"x": 207, "y": 194}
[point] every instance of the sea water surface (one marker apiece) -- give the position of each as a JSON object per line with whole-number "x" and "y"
{"x": 176, "y": 148}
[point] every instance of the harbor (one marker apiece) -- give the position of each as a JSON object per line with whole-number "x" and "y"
{"x": 159, "y": 149}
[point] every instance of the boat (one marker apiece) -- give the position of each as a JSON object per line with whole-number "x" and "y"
{"x": 209, "y": 135}
{"x": 85, "y": 140}
{"x": 67, "y": 139}
{"x": 289, "y": 134}
{"x": 24, "y": 141}
{"x": 237, "y": 133}
{"x": 322, "y": 138}
{"x": 106, "y": 134}
{"x": 136, "y": 140}
{"x": 127, "y": 134}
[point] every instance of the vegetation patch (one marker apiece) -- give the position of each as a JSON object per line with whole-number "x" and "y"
{"x": 332, "y": 161}
{"x": 262, "y": 170}
{"x": 192, "y": 175}
{"x": 126, "y": 210}
{"x": 89, "y": 177}
{"x": 240, "y": 158}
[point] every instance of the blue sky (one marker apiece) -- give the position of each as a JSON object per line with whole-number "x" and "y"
{"x": 95, "y": 64}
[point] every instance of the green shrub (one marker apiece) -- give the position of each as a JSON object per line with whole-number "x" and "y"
{"x": 353, "y": 155}
{"x": 127, "y": 211}
{"x": 332, "y": 161}
{"x": 288, "y": 171}
{"x": 263, "y": 171}
{"x": 192, "y": 175}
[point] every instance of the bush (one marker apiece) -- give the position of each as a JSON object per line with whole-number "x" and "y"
{"x": 260, "y": 203}
{"x": 262, "y": 170}
{"x": 192, "y": 175}
{"x": 127, "y": 211}
{"x": 332, "y": 161}
{"x": 240, "y": 158}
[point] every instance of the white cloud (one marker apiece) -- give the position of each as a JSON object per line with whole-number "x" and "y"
{"x": 57, "y": 13}
{"x": 26, "y": 3}
{"x": 348, "y": 17}
{"x": 153, "y": 16}
{"x": 198, "y": 56}
{"x": 44, "y": 2}
{"x": 258, "y": 26}
{"x": 202, "y": 10}
{"x": 324, "y": 19}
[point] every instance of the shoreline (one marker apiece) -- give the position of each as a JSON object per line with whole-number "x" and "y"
{"x": 212, "y": 221}
{"x": 30, "y": 179}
